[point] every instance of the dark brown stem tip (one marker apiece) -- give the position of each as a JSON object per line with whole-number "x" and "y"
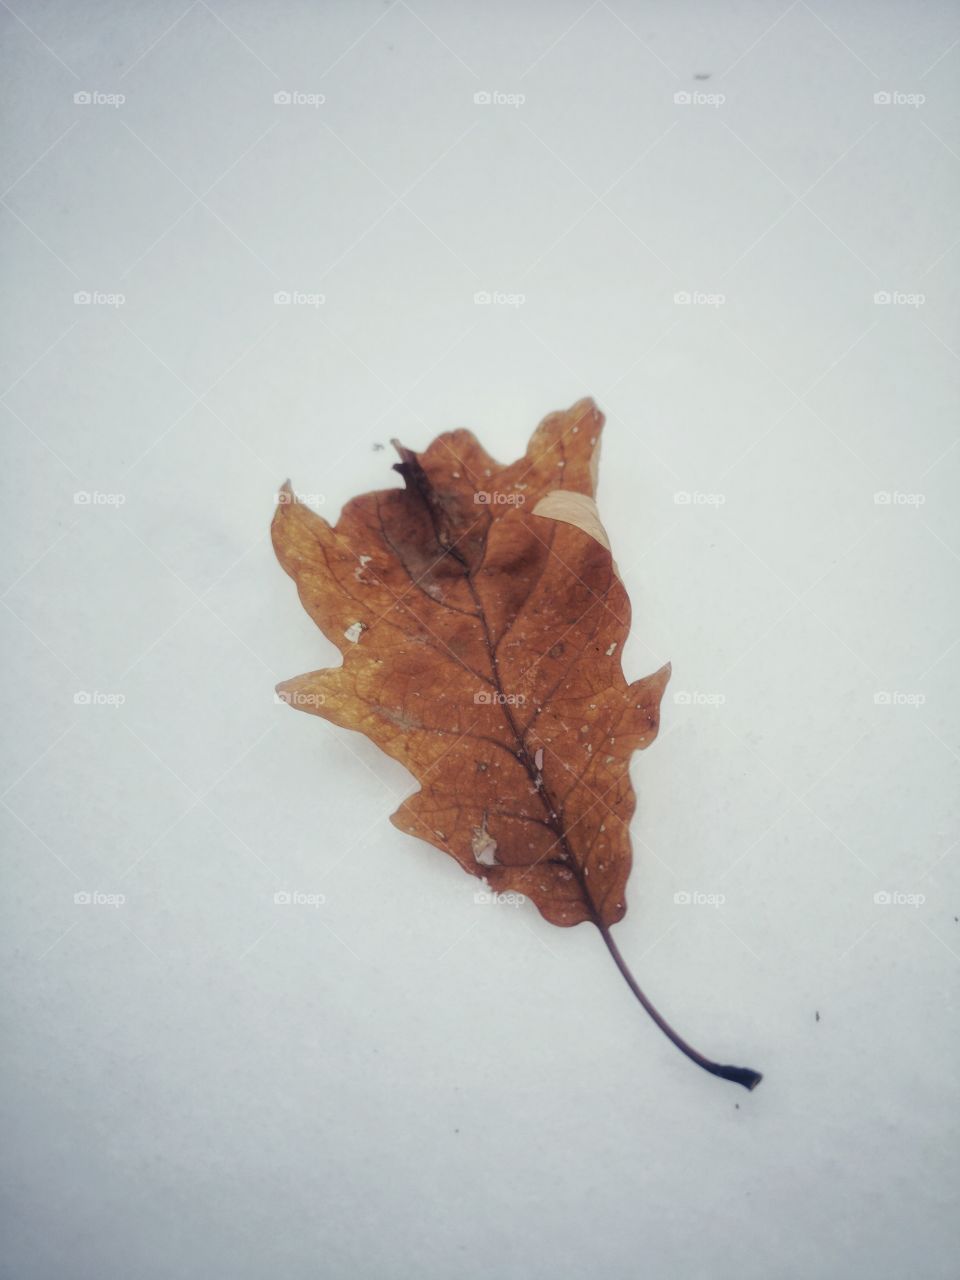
{"x": 739, "y": 1075}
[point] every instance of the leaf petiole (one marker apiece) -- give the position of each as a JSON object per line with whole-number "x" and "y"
{"x": 739, "y": 1075}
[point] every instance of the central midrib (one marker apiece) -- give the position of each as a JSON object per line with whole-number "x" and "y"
{"x": 554, "y": 811}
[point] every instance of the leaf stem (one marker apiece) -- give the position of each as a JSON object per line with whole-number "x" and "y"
{"x": 739, "y": 1075}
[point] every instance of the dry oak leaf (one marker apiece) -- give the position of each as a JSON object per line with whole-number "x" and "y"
{"x": 481, "y": 619}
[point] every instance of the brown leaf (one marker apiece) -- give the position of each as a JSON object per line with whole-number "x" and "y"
{"x": 481, "y": 620}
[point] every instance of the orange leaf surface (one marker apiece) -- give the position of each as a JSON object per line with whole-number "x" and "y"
{"x": 481, "y": 620}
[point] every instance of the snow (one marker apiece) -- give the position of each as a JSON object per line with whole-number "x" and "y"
{"x": 253, "y": 1029}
